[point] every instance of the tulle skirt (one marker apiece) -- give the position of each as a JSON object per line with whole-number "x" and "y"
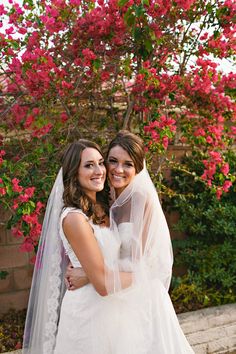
{"x": 138, "y": 320}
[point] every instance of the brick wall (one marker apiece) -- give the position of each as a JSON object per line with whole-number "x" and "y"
{"x": 14, "y": 289}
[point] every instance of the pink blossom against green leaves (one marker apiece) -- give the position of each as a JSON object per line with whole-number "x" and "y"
{"x": 2, "y": 191}
{"x": 16, "y": 232}
{"x": 38, "y": 133}
{"x": 15, "y": 185}
{"x": 225, "y": 169}
{"x": 219, "y": 193}
{"x": 226, "y": 186}
{"x": 150, "y": 65}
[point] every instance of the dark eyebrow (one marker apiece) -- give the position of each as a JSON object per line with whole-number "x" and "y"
{"x": 113, "y": 157}
{"x": 89, "y": 161}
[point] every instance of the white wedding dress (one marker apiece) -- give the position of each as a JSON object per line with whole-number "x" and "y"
{"x": 118, "y": 323}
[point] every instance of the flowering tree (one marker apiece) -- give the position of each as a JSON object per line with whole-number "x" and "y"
{"x": 72, "y": 68}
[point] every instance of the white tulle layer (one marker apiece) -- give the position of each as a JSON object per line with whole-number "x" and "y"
{"x": 138, "y": 320}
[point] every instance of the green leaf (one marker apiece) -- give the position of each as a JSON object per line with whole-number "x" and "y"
{"x": 145, "y": 2}
{"x": 139, "y": 10}
{"x": 209, "y": 8}
{"x": 97, "y": 63}
{"x": 3, "y": 274}
{"x": 171, "y": 96}
{"x": 148, "y": 45}
{"x": 216, "y": 34}
{"x": 137, "y": 33}
{"x": 122, "y": 3}
{"x": 129, "y": 17}
{"x": 28, "y": 2}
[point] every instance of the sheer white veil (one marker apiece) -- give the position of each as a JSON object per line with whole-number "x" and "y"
{"x": 138, "y": 207}
{"x": 48, "y": 285}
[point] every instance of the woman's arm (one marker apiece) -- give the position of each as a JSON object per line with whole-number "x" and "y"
{"x": 83, "y": 242}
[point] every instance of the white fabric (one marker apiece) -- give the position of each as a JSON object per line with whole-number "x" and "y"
{"x": 48, "y": 286}
{"x": 150, "y": 254}
{"x": 119, "y": 323}
{"x": 136, "y": 320}
{"x": 83, "y": 308}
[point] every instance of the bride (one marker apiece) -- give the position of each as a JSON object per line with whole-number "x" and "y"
{"x": 133, "y": 267}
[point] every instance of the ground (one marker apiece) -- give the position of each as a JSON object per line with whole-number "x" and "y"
{"x": 11, "y": 330}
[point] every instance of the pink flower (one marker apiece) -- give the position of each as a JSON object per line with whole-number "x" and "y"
{"x": 29, "y": 191}
{"x": 3, "y": 191}
{"x": 215, "y": 156}
{"x": 225, "y": 169}
{"x": 30, "y": 219}
{"x": 16, "y": 232}
{"x": 64, "y": 117}
{"x": 29, "y": 121}
{"x": 38, "y": 133}
{"x": 200, "y": 132}
{"x": 24, "y": 198}
{"x": 209, "y": 139}
{"x": 9, "y": 30}
{"x": 88, "y": 54}
{"x": 227, "y": 184}
{"x": 16, "y": 187}
{"x": 27, "y": 246}
{"x": 15, "y": 204}
{"x": 105, "y": 76}
{"x": 2, "y": 10}
{"x": 165, "y": 142}
{"x": 39, "y": 206}
{"x": 218, "y": 193}
{"x": 66, "y": 85}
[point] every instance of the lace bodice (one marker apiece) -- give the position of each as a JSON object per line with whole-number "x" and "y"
{"x": 108, "y": 244}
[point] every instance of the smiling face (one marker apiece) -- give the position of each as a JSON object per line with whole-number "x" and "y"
{"x": 120, "y": 169}
{"x": 91, "y": 172}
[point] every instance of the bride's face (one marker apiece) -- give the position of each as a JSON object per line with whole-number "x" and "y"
{"x": 91, "y": 172}
{"x": 120, "y": 168}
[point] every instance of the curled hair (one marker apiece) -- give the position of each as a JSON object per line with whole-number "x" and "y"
{"x": 74, "y": 195}
{"x": 131, "y": 143}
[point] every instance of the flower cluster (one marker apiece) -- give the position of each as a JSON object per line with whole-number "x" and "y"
{"x": 160, "y": 132}
{"x": 87, "y": 68}
{"x": 26, "y": 212}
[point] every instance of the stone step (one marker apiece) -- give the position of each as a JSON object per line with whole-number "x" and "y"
{"x": 212, "y": 330}
{"x": 209, "y": 331}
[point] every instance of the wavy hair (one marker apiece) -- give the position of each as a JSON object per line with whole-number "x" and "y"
{"x": 74, "y": 195}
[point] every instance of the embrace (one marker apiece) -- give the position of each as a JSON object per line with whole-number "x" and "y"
{"x": 104, "y": 217}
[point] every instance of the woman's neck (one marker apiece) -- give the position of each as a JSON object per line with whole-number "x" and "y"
{"x": 92, "y": 196}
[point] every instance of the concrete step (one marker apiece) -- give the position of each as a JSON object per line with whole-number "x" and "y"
{"x": 212, "y": 330}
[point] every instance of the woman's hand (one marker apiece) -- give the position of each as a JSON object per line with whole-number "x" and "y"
{"x": 75, "y": 278}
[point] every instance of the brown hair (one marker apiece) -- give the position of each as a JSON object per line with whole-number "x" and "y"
{"x": 131, "y": 143}
{"x": 73, "y": 195}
